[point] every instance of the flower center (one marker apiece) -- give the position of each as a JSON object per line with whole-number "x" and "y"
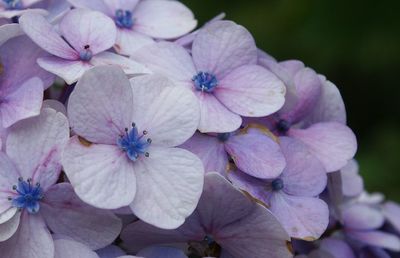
{"x": 204, "y": 81}
{"x": 223, "y": 137}
{"x": 123, "y": 19}
{"x": 86, "y": 54}
{"x": 27, "y": 195}
{"x": 206, "y": 248}
{"x": 277, "y": 184}
{"x": 13, "y": 4}
{"x": 134, "y": 144}
{"x": 283, "y": 126}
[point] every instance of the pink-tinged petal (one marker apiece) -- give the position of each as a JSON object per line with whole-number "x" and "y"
{"x": 67, "y": 215}
{"x": 8, "y": 177}
{"x": 43, "y": 34}
{"x": 256, "y": 154}
{"x": 129, "y": 66}
{"x": 69, "y": 71}
{"x": 8, "y": 31}
{"x": 257, "y": 235}
{"x": 337, "y": 248}
{"x": 376, "y": 238}
{"x": 129, "y": 41}
{"x": 111, "y": 251}
{"x": 251, "y": 91}
{"x": 264, "y": 57}
{"x": 304, "y": 174}
{"x": 223, "y": 46}
{"x": 101, "y": 175}
{"x": 100, "y": 107}
{"x": 161, "y": 251}
{"x": 146, "y": 89}
{"x": 163, "y": 19}
{"x": 392, "y": 213}
{"x": 10, "y": 226}
{"x": 334, "y": 144}
{"x": 305, "y": 94}
{"x": 352, "y": 182}
{"x": 169, "y": 185}
{"x": 19, "y": 60}
{"x": 24, "y": 102}
{"x": 121, "y": 4}
{"x": 96, "y": 5}
{"x": 210, "y": 150}
{"x": 32, "y": 240}
{"x": 42, "y": 139}
{"x": 330, "y": 106}
{"x": 303, "y": 217}
{"x": 362, "y": 217}
{"x": 88, "y": 30}
{"x": 67, "y": 249}
{"x": 168, "y": 59}
{"x": 214, "y": 116}
{"x": 169, "y": 114}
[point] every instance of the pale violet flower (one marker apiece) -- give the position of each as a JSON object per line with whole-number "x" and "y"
{"x": 79, "y": 44}
{"x": 291, "y": 196}
{"x": 33, "y": 205}
{"x": 222, "y": 72}
{"x": 125, "y": 153}
{"x": 22, "y": 81}
{"x": 226, "y": 223}
{"x": 139, "y": 22}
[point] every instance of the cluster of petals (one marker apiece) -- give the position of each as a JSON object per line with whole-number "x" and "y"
{"x": 126, "y": 133}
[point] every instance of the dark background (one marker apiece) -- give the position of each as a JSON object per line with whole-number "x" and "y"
{"x": 356, "y": 44}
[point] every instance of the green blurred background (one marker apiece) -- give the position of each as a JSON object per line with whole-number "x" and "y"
{"x": 356, "y": 44}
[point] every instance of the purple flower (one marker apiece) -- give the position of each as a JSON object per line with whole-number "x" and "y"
{"x": 22, "y": 81}
{"x": 32, "y": 204}
{"x": 79, "y": 45}
{"x": 313, "y": 113}
{"x": 252, "y": 150}
{"x": 223, "y": 74}
{"x": 226, "y": 222}
{"x": 291, "y": 196}
{"x": 362, "y": 223}
{"x": 134, "y": 127}
{"x": 139, "y": 21}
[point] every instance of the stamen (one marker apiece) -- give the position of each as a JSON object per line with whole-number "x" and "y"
{"x": 223, "y": 137}
{"x": 134, "y": 144}
{"x": 28, "y": 196}
{"x": 13, "y": 4}
{"x": 277, "y": 184}
{"x": 205, "y": 82}
{"x": 124, "y": 19}
{"x": 283, "y": 126}
{"x": 86, "y": 54}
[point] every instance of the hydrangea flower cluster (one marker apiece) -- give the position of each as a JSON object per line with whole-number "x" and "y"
{"x": 124, "y": 133}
